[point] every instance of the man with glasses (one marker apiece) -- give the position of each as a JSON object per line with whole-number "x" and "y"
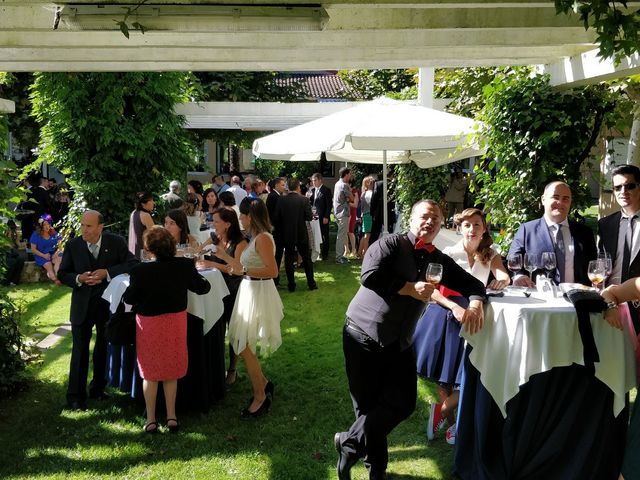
{"x": 619, "y": 233}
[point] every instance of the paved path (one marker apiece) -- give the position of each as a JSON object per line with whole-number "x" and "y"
{"x": 53, "y": 338}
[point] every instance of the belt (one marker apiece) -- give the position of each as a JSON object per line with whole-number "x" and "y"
{"x": 247, "y": 277}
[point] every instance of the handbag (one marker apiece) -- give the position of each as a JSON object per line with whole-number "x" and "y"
{"x": 121, "y": 327}
{"x": 585, "y": 302}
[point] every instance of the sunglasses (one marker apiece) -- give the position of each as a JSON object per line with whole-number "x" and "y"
{"x": 627, "y": 186}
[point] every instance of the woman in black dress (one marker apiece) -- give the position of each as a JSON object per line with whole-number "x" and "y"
{"x": 229, "y": 238}
{"x": 139, "y": 221}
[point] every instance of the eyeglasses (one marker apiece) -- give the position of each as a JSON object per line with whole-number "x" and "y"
{"x": 627, "y": 186}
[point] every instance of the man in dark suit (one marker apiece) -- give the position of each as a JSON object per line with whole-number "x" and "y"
{"x": 619, "y": 233}
{"x": 377, "y": 338}
{"x": 322, "y": 200}
{"x": 277, "y": 190}
{"x": 89, "y": 262}
{"x": 573, "y": 243}
{"x": 293, "y": 211}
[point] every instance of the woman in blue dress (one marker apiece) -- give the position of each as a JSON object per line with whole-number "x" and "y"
{"x": 439, "y": 347}
{"x": 44, "y": 247}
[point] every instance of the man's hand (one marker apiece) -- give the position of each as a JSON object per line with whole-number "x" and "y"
{"x": 473, "y": 317}
{"x": 419, "y": 290}
{"x": 523, "y": 281}
{"x": 95, "y": 277}
{"x": 325, "y": 221}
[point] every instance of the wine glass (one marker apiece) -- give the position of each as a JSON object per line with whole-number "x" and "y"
{"x": 514, "y": 262}
{"x": 549, "y": 262}
{"x": 596, "y": 272}
{"x": 608, "y": 265}
{"x": 530, "y": 263}
{"x": 434, "y": 275}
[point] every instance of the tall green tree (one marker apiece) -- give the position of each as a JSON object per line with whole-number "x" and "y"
{"x": 536, "y": 134}
{"x": 113, "y": 134}
{"x": 369, "y": 84}
{"x": 23, "y": 127}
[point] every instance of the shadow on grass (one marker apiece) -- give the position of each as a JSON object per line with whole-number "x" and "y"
{"x": 294, "y": 441}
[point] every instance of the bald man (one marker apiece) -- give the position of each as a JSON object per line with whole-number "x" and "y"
{"x": 88, "y": 264}
{"x": 573, "y": 243}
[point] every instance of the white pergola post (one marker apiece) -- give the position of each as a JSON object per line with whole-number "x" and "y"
{"x": 7, "y": 106}
{"x": 426, "y": 77}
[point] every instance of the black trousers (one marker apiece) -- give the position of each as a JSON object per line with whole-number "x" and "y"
{"x": 97, "y": 315}
{"x": 383, "y": 387}
{"x": 290, "y": 256}
{"x": 279, "y": 251}
{"x": 324, "y": 232}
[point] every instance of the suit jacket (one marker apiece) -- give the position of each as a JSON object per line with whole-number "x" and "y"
{"x": 161, "y": 286}
{"x": 272, "y": 201}
{"x": 533, "y": 237}
{"x": 322, "y": 199}
{"x": 608, "y": 231}
{"x": 292, "y": 213}
{"x": 114, "y": 256}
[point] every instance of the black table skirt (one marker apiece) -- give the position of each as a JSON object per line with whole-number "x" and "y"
{"x": 204, "y": 383}
{"x": 559, "y": 426}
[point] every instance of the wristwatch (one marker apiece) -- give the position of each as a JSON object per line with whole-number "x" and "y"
{"x": 244, "y": 270}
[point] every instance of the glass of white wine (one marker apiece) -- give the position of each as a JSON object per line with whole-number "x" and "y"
{"x": 596, "y": 271}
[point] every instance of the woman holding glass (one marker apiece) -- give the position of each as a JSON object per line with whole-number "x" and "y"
{"x": 228, "y": 239}
{"x": 257, "y": 311}
{"x": 439, "y": 347}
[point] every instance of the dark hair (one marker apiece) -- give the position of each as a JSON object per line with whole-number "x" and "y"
{"x": 484, "y": 252}
{"x": 234, "y": 234}
{"x": 344, "y": 171}
{"x": 428, "y": 201}
{"x": 293, "y": 184}
{"x": 142, "y": 197}
{"x": 205, "y": 205}
{"x": 227, "y": 199}
{"x": 258, "y": 213}
{"x": 180, "y": 218}
{"x": 160, "y": 242}
{"x": 626, "y": 170}
{"x": 196, "y": 185}
{"x": 190, "y": 204}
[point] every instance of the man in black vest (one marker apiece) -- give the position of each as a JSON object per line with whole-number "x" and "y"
{"x": 378, "y": 334}
{"x": 88, "y": 264}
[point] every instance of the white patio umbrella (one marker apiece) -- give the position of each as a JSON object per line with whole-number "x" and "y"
{"x": 382, "y": 131}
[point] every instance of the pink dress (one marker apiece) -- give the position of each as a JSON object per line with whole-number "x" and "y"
{"x": 161, "y": 345}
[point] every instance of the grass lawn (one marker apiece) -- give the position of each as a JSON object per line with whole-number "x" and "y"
{"x": 294, "y": 441}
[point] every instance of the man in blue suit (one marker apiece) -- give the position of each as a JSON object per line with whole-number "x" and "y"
{"x": 573, "y": 243}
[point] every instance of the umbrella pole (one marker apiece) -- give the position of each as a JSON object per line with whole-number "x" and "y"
{"x": 385, "y": 213}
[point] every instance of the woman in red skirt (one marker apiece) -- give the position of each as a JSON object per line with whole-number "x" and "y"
{"x": 158, "y": 293}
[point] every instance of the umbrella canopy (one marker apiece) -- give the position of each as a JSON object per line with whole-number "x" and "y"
{"x": 407, "y": 132}
{"x": 382, "y": 131}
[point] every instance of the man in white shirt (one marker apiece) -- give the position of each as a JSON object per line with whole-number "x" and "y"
{"x": 573, "y": 243}
{"x": 236, "y": 188}
{"x": 341, "y": 198}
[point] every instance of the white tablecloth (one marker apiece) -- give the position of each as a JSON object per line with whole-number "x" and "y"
{"x": 208, "y": 307}
{"x": 317, "y": 239}
{"x": 524, "y": 336}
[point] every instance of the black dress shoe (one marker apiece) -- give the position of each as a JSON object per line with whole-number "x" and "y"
{"x": 313, "y": 286}
{"x": 101, "y": 395}
{"x": 77, "y": 405}
{"x": 264, "y": 408}
{"x": 377, "y": 475}
{"x": 291, "y": 288}
{"x": 345, "y": 462}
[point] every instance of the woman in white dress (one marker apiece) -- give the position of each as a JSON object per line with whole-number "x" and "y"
{"x": 257, "y": 311}
{"x": 439, "y": 347}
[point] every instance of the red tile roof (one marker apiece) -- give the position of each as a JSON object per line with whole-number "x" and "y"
{"x": 321, "y": 86}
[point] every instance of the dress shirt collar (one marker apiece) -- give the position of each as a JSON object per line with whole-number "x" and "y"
{"x": 98, "y": 243}
{"x": 550, "y": 223}
{"x": 626, "y": 217}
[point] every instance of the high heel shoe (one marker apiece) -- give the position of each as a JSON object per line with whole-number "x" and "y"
{"x": 264, "y": 408}
{"x": 269, "y": 389}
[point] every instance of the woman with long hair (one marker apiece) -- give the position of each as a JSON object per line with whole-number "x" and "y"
{"x": 191, "y": 208}
{"x": 228, "y": 239}
{"x": 195, "y": 187}
{"x": 210, "y": 203}
{"x": 158, "y": 293}
{"x": 139, "y": 221}
{"x": 257, "y": 311}
{"x": 439, "y": 347}
{"x": 44, "y": 247}
{"x": 178, "y": 226}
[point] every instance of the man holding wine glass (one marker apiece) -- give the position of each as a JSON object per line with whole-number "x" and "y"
{"x": 378, "y": 333}
{"x": 572, "y": 244}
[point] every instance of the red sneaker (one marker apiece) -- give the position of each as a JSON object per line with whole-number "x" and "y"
{"x": 436, "y": 421}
